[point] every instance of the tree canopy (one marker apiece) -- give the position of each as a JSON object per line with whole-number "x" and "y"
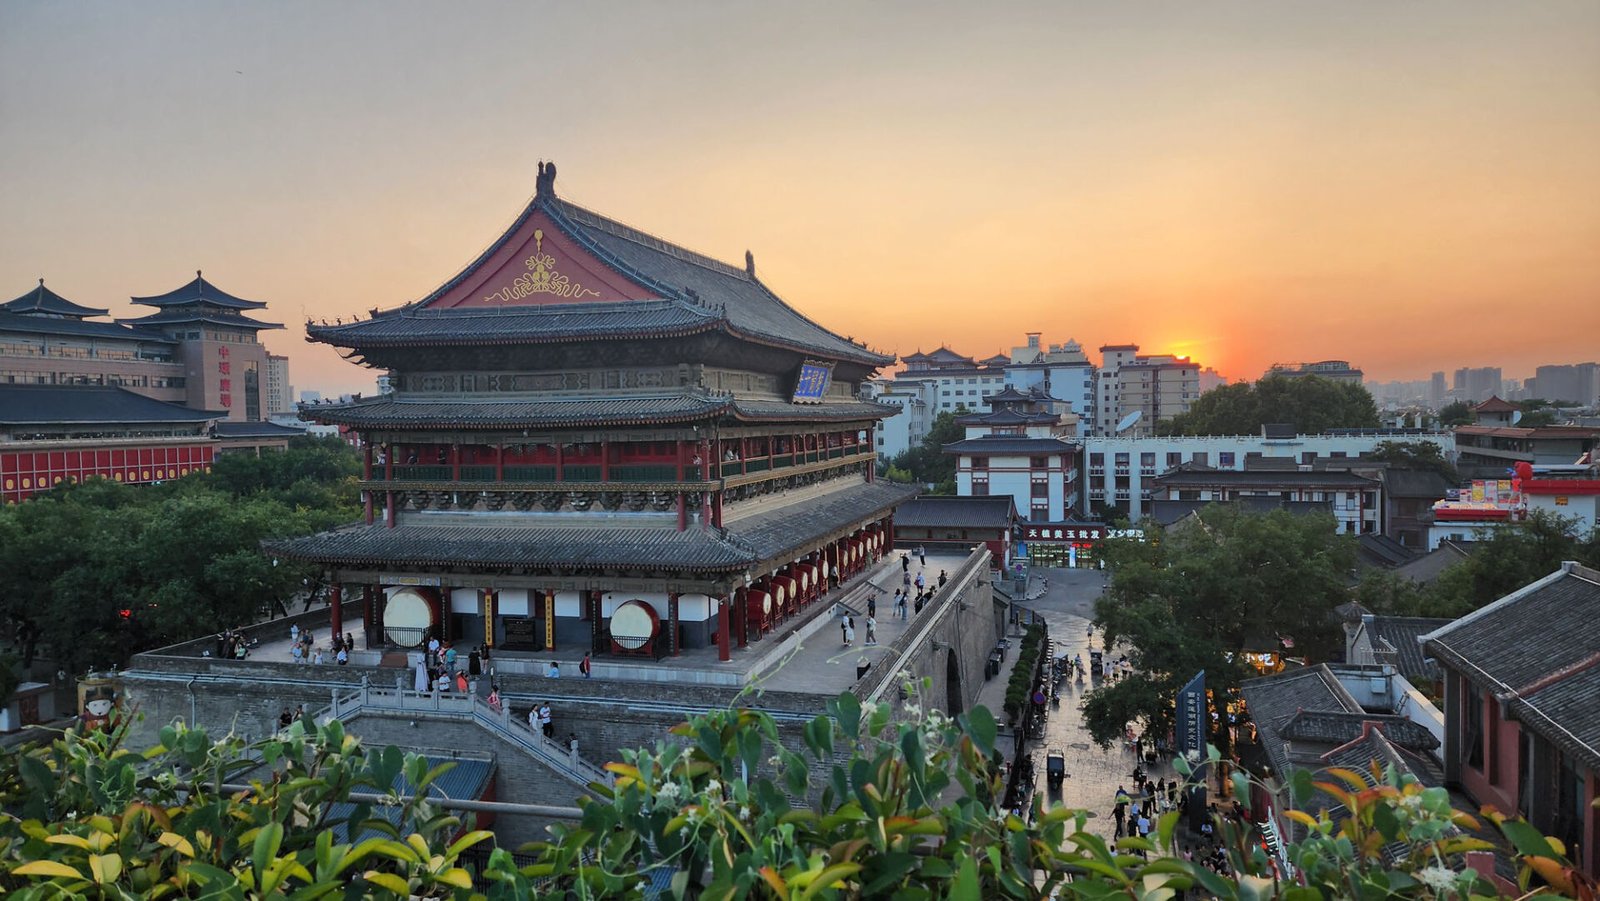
{"x": 1501, "y": 560}
{"x": 1311, "y": 403}
{"x": 927, "y": 462}
{"x": 1198, "y": 594}
{"x": 1419, "y": 455}
{"x": 1457, "y": 412}
{"x": 100, "y": 571}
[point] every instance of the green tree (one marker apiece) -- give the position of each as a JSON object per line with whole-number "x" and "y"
{"x": 1310, "y": 403}
{"x": 1418, "y": 455}
{"x": 1506, "y": 558}
{"x": 1456, "y": 413}
{"x": 1197, "y": 595}
{"x": 927, "y": 462}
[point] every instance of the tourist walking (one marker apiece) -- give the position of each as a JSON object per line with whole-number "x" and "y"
{"x": 849, "y": 631}
{"x": 583, "y": 666}
{"x": 546, "y": 721}
{"x": 872, "y": 630}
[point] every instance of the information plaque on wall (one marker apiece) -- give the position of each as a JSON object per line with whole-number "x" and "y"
{"x": 812, "y": 383}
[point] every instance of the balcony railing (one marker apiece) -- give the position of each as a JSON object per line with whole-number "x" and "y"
{"x": 592, "y": 472}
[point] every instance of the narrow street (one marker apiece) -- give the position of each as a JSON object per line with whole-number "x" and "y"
{"x": 1093, "y": 773}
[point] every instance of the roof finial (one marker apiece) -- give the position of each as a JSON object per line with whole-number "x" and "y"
{"x": 546, "y": 183}
{"x": 41, "y": 281}
{"x": 749, "y": 264}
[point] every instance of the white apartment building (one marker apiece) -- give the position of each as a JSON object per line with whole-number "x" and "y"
{"x": 280, "y": 394}
{"x": 1119, "y": 470}
{"x": 907, "y": 428}
{"x": 1157, "y": 386}
{"x": 1016, "y": 449}
{"x": 1063, "y": 371}
{"x": 953, "y": 381}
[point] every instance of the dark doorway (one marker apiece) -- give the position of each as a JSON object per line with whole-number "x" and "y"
{"x": 952, "y": 683}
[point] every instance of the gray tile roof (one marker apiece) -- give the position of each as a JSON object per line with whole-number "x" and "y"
{"x": 199, "y": 291}
{"x": 230, "y": 429}
{"x": 89, "y": 404}
{"x": 1010, "y": 444}
{"x": 681, "y": 292}
{"x": 1274, "y": 700}
{"x": 994, "y": 512}
{"x": 1338, "y": 727}
{"x": 1537, "y": 650}
{"x": 388, "y": 410}
{"x": 1430, "y": 566}
{"x": 1400, "y": 633}
{"x": 538, "y": 543}
{"x": 77, "y": 328}
{"x": 180, "y": 316}
{"x": 44, "y": 300}
{"x": 1233, "y": 478}
{"x": 411, "y": 326}
{"x": 1416, "y": 483}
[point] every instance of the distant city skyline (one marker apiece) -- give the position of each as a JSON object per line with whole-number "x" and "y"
{"x": 1406, "y": 187}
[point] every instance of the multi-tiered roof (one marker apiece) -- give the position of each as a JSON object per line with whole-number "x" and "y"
{"x": 199, "y": 301}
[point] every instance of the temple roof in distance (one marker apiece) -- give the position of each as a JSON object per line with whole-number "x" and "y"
{"x": 77, "y": 328}
{"x": 44, "y": 300}
{"x": 89, "y": 404}
{"x": 199, "y": 291}
{"x": 562, "y": 272}
{"x": 391, "y": 411}
{"x": 529, "y": 543}
{"x": 1011, "y": 444}
{"x": 181, "y": 316}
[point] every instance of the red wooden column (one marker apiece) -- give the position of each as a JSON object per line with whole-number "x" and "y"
{"x": 560, "y": 461}
{"x": 366, "y": 476}
{"x": 741, "y": 615}
{"x": 724, "y": 653}
{"x": 499, "y": 462}
{"x": 744, "y": 456}
{"x": 336, "y": 605}
{"x": 367, "y": 613}
{"x": 605, "y": 461}
{"x": 672, "y": 622}
{"x": 455, "y": 462}
{"x": 872, "y": 470}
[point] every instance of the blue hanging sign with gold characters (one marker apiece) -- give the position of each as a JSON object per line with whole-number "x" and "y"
{"x": 812, "y": 383}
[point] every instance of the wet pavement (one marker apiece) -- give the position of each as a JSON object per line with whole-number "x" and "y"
{"x": 1093, "y": 773}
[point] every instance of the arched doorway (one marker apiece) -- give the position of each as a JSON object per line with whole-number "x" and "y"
{"x": 952, "y": 683}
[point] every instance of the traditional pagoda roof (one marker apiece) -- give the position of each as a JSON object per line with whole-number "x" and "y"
{"x": 197, "y": 292}
{"x": 77, "y": 328}
{"x": 44, "y": 300}
{"x": 89, "y": 404}
{"x": 1010, "y": 444}
{"x": 564, "y": 273}
{"x": 940, "y": 355}
{"x": 393, "y": 411}
{"x": 182, "y": 316}
{"x": 542, "y": 542}
{"x": 1009, "y": 395}
{"x": 1007, "y": 416}
{"x": 1495, "y": 405}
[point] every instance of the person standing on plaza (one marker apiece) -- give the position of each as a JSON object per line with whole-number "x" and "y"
{"x": 943, "y": 578}
{"x": 546, "y": 720}
{"x": 900, "y": 605}
{"x": 584, "y": 666}
{"x": 872, "y": 630}
{"x": 294, "y": 633}
{"x": 905, "y": 563}
{"x": 872, "y": 604}
{"x": 849, "y": 631}
{"x": 922, "y": 555}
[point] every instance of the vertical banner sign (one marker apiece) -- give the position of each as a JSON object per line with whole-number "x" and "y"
{"x": 1191, "y": 732}
{"x": 488, "y": 617}
{"x": 549, "y": 620}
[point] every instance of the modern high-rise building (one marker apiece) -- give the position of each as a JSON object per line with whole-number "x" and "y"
{"x": 1437, "y": 392}
{"x": 280, "y": 394}
{"x": 1477, "y": 384}
{"x": 1061, "y": 371}
{"x": 1577, "y": 383}
{"x": 1157, "y": 386}
{"x": 1338, "y": 370}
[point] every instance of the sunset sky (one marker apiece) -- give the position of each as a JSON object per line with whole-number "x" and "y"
{"x": 1410, "y": 186}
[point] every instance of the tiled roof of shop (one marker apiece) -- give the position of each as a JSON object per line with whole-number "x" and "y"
{"x": 1536, "y": 650}
{"x": 995, "y": 512}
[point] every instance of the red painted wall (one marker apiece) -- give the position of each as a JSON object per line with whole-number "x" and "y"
{"x": 25, "y": 473}
{"x": 538, "y": 266}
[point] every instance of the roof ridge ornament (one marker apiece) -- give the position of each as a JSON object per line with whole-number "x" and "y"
{"x": 545, "y": 185}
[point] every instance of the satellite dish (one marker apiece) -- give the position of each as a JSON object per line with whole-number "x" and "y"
{"x": 1127, "y": 422}
{"x": 1516, "y": 417}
